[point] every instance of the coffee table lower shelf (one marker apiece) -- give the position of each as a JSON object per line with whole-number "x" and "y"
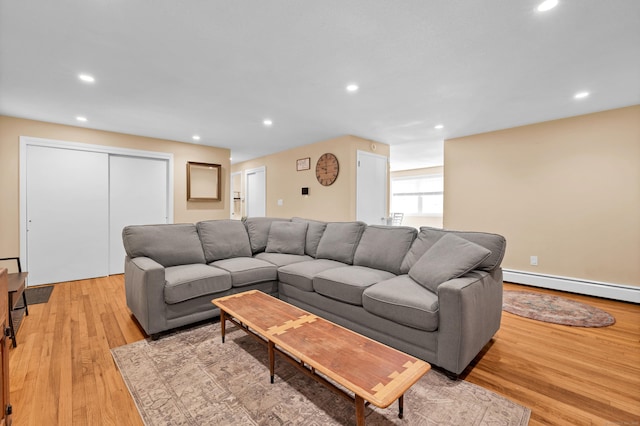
{"x": 332, "y": 355}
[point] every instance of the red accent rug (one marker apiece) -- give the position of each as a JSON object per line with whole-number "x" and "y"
{"x": 554, "y": 309}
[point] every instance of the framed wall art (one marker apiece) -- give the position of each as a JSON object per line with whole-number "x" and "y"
{"x": 303, "y": 164}
{"x": 203, "y": 181}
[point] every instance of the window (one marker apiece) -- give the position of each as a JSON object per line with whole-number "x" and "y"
{"x": 418, "y": 195}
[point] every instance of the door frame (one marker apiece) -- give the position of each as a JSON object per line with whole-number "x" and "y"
{"x": 26, "y": 141}
{"x": 262, "y": 169}
{"x": 231, "y": 197}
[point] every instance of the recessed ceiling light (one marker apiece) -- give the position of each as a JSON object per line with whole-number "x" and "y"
{"x": 439, "y": 126}
{"x": 80, "y": 118}
{"x": 86, "y": 78}
{"x": 581, "y": 95}
{"x": 267, "y": 122}
{"x": 352, "y": 88}
{"x": 195, "y": 137}
{"x": 547, "y": 5}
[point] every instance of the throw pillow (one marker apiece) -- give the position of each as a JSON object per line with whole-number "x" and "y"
{"x": 287, "y": 237}
{"x": 340, "y": 240}
{"x": 450, "y": 257}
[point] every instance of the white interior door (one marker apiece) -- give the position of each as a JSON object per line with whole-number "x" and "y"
{"x": 67, "y": 205}
{"x": 255, "y": 198}
{"x": 371, "y": 188}
{"x": 137, "y": 196}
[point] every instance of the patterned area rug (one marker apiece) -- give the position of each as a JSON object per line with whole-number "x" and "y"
{"x": 554, "y": 309}
{"x": 191, "y": 378}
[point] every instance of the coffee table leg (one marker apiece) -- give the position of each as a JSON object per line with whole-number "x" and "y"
{"x": 359, "y": 410}
{"x": 401, "y": 406}
{"x": 272, "y": 359}
{"x": 223, "y": 321}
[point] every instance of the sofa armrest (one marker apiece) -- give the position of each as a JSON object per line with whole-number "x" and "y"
{"x": 144, "y": 285}
{"x": 470, "y": 314}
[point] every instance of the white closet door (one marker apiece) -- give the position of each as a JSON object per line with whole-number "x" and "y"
{"x": 371, "y": 188}
{"x": 67, "y": 214}
{"x": 138, "y": 196}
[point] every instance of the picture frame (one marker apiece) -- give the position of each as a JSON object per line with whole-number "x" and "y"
{"x": 204, "y": 181}
{"x": 303, "y": 164}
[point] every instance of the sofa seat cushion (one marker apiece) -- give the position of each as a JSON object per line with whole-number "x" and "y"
{"x": 300, "y": 275}
{"x": 247, "y": 270}
{"x": 347, "y": 284}
{"x": 404, "y": 301}
{"x": 282, "y": 259}
{"x": 186, "y": 282}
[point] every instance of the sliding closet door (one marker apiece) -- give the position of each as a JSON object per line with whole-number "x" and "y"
{"x": 67, "y": 207}
{"x": 138, "y": 196}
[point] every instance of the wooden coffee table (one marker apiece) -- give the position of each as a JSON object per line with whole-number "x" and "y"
{"x": 373, "y": 372}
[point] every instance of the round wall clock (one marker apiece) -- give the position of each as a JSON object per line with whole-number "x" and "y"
{"x": 327, "y": 169}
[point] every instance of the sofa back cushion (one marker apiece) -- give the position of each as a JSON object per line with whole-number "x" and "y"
{"x": 287, "y": 237}
{"x": 223, "y": 239}
{"x": 258, "y": 230}
{"x": 315, "y": 230}
{"x": 428, "y": 236}
{"x": 168, "y": 244}
{"x": 450, "y": 257}
{"x": 384, "y": 247}
{"x": 340, "y": 240}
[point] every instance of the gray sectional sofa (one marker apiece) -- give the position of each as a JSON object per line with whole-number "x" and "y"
{"x": 435, "y": 294}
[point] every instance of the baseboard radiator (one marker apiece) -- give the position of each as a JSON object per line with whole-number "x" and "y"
{"x": 622, "y": 292}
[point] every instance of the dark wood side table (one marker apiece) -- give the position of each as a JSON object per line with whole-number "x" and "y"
{"x": 16, "y": 289}
{"x": 16, "y": 283}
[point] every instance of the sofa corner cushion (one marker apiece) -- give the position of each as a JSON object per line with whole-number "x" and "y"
{"x": 282, "y": 259}
{"x": 223, "y": 239}
{"x": 184, "y": 282}
{"x": 347, "y": 283}
{"x": 340, "y": 240}
{"x": 287, "y": 237}
{"x": 247, "y": 270}
{"x": 258, "y": 230}
{"x": 384, "y": 247}
{"x": 404, "y": 301}
{"x": 428, "y": 236}
{"x": 450, "y": 257}
{"x": 315, "y": 230}
{"x": 167, "y": 244}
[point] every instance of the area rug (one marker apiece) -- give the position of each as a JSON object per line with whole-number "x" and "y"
{"x": 554, "y": 309}
{"x": 191, "y": 378}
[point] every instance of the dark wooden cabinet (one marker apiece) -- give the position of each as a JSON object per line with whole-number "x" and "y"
{"x": 5, "y": 414}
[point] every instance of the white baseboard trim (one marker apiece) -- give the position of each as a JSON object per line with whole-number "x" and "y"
{"x": 622, "y": 292}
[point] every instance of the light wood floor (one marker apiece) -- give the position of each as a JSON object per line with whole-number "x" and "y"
{"x": 62, "y": 372}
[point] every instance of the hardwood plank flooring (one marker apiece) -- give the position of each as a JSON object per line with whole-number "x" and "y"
{"x": 62, "y": 372}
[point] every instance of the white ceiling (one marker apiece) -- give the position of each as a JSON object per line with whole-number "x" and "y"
{"x": 217, "y": 68}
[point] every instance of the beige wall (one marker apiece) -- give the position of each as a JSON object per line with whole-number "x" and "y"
{"x": 420, "y": 220}
{"x": 336, "y": 202}
{"x": 567, "y": 191}
{"x": 12, "y": 128}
